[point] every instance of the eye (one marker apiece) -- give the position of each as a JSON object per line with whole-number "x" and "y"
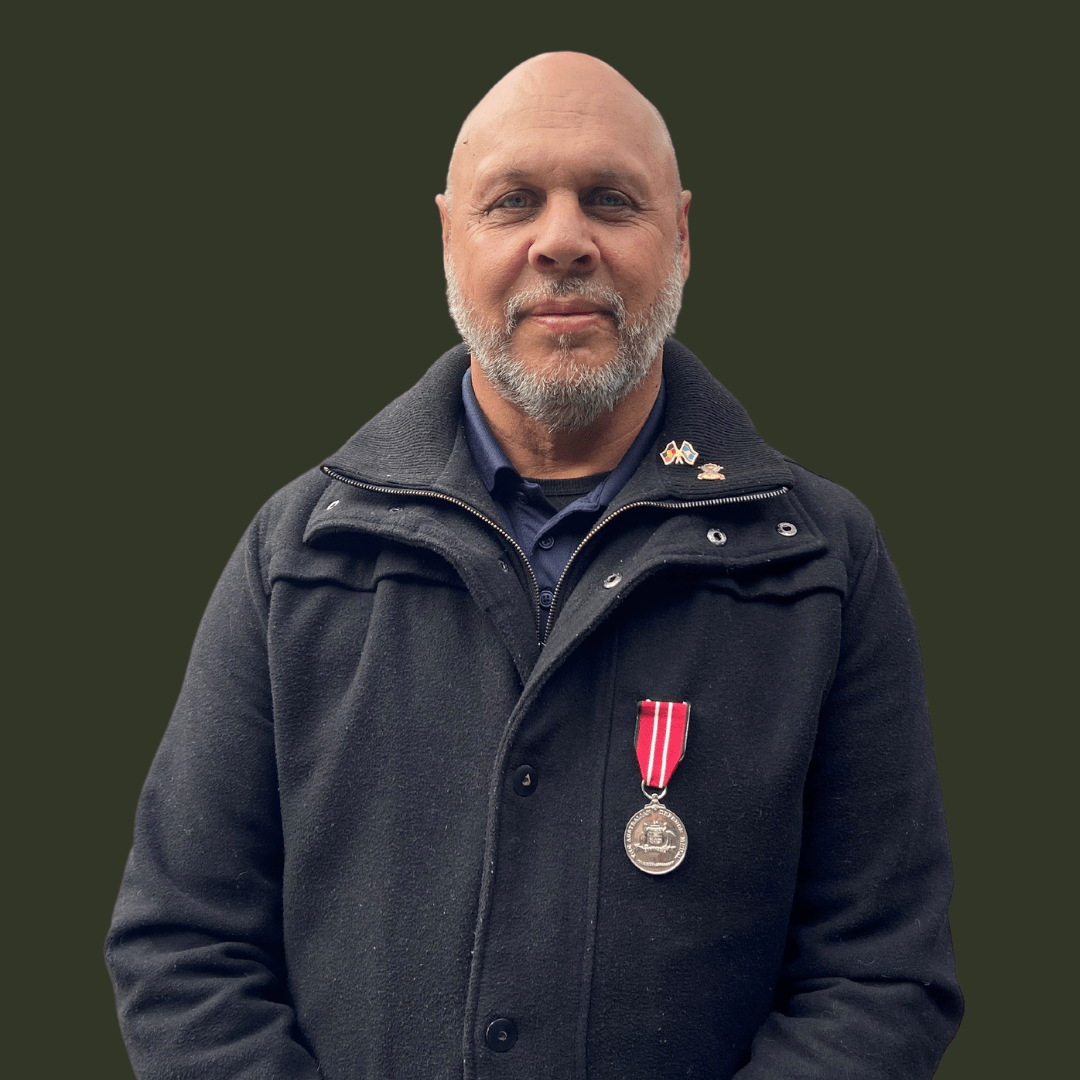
{"x": 515, "y": 200}
{"x": 608, "y": 199}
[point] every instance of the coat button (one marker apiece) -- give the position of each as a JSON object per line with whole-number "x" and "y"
{"x": 547, "y": 542}
{"x": 501, "y": 1034}
{"x": 546, "y": 596}
{"x": 785, "y": 528}
{"x": 525, "y": 779}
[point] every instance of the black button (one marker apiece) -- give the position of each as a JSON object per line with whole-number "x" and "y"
{"x": 546, "y": 596}
{"x": 501, "y": 1034}
{"x": 525, "y": 780}
{"x": 547, "y": 542}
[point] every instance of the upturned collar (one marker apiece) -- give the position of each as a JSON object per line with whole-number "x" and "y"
{"x": 411, "y": 443}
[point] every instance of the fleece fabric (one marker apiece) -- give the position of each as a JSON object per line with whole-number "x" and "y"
{"x": 335, "y": 874}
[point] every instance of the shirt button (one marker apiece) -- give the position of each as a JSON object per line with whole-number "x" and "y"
{"x": 547, "y": 543}
{"x": 501, "y": 1034}
{"x": 520, "y": 496}
{"x": 546, "y": 596}
{"x": 525, "y": 779}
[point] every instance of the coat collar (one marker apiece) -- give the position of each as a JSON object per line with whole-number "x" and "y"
{"x": 417, "y": 442}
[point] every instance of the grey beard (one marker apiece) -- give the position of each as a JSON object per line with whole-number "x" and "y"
{"x": 572, "y": 395}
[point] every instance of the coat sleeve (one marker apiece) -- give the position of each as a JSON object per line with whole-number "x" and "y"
{"x": 868, "y": 988}
{"x": 195, "y": 949}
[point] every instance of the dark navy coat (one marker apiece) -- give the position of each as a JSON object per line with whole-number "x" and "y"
{"x": 335, "y": 875}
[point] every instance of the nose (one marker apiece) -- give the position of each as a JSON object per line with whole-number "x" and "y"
{"x": 564, "y": 241}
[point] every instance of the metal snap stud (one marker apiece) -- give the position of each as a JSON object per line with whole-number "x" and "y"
{"x": 715, "y": 536}
{"x": 333, "y": 504}
{"x": 501, "y": 1035}
{"x": 395, "y": 509}
{"x": 612, "y": 580}
{"x": 785, "y": 528}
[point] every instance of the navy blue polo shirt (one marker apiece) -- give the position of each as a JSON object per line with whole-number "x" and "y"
{"x": 549, "y": 518}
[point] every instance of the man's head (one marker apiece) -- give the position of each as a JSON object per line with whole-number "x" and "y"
{"x": 564, "y": 237}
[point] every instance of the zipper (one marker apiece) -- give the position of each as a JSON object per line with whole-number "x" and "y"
{"x": 697, "y": 504}
{"x": 542, "y": 628}
{"x": 335, "y": 475}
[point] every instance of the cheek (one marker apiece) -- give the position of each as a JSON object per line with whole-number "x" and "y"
{"x": 490, "y": 266}
{"x": 640, "y": 282}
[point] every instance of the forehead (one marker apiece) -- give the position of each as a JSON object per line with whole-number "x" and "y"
{"x": 569, "y": 131}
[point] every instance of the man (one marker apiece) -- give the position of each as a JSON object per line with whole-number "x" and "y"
{"x": 557, "y": 726}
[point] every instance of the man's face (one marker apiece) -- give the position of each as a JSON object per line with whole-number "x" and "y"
{"x": 565, "y": 249}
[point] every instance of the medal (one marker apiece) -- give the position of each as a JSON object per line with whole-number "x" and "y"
{"x": 655, "y": 838}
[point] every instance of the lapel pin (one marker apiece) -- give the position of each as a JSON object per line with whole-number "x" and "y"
{"x": 711, "y": 472}
{"x": 681, "y": 455}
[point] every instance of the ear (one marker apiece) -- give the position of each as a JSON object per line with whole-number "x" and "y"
{"x": 444, "y": 217}
{"x": 683, "y": 225}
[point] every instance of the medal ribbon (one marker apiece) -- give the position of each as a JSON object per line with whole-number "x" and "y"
{"x": 661, "y": 739}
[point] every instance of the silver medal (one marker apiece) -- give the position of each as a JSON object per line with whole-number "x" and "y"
{"x": 655, "y": 838}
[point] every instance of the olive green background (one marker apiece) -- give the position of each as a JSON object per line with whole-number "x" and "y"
{"x": 226, "y": 258}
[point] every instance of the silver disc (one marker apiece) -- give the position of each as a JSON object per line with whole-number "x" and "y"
{"x": 655, "y": 839}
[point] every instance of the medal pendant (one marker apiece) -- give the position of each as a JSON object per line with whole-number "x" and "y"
{"x": 655, "y": 838}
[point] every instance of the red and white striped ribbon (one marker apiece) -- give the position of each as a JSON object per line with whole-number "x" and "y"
{"x": 661, "y": 739}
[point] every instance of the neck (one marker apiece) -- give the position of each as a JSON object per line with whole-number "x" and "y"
{"x": 537, "y": 452}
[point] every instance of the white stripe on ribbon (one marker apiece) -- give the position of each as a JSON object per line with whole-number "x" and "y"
{"x": 667, "y": 743}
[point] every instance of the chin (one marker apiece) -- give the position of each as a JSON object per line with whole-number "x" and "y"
{"x": 566, "y": 353}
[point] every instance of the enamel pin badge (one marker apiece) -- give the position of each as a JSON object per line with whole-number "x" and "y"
{"x": 711, "y": 472}
{"x": 655, "y": 838}
{"x": 679, "y": 455}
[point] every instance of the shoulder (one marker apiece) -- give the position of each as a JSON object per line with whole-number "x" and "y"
{"x": 276, "y": 534}
{"x": 847, "y": 526}
{"x": 284, "y": 516}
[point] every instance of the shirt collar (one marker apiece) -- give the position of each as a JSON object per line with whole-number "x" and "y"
{"x": 491, "y": 463}
{"x": 495, "y": 469}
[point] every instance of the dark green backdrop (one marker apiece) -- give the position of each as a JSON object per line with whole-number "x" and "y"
{"x": 227, "y": 258}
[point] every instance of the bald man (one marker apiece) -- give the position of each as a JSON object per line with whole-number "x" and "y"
{"x": 557, "y": 726}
